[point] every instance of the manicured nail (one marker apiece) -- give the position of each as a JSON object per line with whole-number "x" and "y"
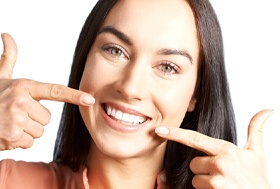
{"x": 162, "y": 130}
{"x": 87, "y": 99}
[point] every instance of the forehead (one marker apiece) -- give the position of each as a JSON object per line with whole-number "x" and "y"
{"x": 165, "y": 22}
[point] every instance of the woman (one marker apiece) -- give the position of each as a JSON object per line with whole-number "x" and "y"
{"x": 160, "y": 66}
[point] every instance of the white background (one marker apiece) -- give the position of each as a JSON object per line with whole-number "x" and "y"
{"x": 46, "y": 34}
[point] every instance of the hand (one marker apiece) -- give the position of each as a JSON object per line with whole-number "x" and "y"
{"x": 226, "y": 166}
{"x": 22, "y": 116}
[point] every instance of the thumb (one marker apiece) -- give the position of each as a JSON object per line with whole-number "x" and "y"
{"x": 9, "y": 56}
{"x": 255, "y": 131}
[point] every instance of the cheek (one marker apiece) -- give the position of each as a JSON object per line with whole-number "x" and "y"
{"x": 91, "y": 80}
{"x": 174, "y": 105}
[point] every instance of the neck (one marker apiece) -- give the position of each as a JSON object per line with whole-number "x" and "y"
{"x": 105, "y": 172}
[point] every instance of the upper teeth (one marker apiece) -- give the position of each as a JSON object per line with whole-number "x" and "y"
{"x": 124, "y": 117}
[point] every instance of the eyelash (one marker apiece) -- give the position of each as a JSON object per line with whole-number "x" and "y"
{"x": 108, "y": 48}
{"x": 173, "y": 67}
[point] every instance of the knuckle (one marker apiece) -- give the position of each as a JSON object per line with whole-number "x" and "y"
{"x": 18, "y": 84}
{"x": 55, "y": 91}
{"x": 220, "y": 165}
{"x": 253, "y": 128}
{"x": 194, "y": 139}
{"x": 18, "y": 120}
{"x": 4, "y": 56}
{"x": 13, "y": 136}
{"x": 16, "y": 94}
{"x": 75, "y": 95}
{"x": 18, "y": 102}
{"x": 230, "y": 149}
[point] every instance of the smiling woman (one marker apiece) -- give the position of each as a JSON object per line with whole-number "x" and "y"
{"x": 161, "y": 101}
{"x": 138, "y": 79}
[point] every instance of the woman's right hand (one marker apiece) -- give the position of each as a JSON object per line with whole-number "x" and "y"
{"x": 22, "y": 117}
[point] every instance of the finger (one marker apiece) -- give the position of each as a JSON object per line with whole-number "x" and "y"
{"x": 56, "y": 92}
{"x": 29, "y": 108}
{"x": 207, "y": 181}
{"x": 21, "y": 123}
{"x": 9, "y": 56}
{"x": 162, "y": 180}
{"x": 255, "y": 131}
{"x": 201, "y": 165}
{"x": 193, "y": 139}
{"x": 34, "y": 129}
{"x": 38, "y": 113}
{"x": 199, "y": 181}
{"x": 26, "y": 141}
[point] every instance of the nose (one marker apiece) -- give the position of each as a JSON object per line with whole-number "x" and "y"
{"x": 134, "y": 82}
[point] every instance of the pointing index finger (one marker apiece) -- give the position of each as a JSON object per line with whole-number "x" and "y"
{"x": 56, "y": 92}
{"x": 193, "y": 139}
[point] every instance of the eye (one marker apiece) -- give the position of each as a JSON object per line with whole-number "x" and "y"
{"x": 115, "y": 51}
{"x": 169, "y": 68}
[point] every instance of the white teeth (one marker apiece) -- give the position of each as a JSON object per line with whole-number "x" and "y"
{"x": 124, "y": 117}
{"x": 109, "y": 110}
{"x": 131, "y": 118}
{"x": 118, "y": 115}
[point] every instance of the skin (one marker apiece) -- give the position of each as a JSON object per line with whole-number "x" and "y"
{"x": 138, "y": 81}
{"x": 19, "y": 99}
{"x": 23, "y": 117}
{"x": 226, "y": 166}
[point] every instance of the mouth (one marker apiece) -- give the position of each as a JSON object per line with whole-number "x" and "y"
{"x": 124, "y": 117}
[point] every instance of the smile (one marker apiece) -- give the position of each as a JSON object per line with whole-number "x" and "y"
{"x": 125, "y": 118}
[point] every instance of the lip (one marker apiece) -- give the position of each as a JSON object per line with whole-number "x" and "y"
{"x": 121, "y": 127}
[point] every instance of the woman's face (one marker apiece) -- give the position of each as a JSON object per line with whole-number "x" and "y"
{"x": 142, "y": 71}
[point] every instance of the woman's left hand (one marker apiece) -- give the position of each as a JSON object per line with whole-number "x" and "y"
{"x": 226, "y": 166}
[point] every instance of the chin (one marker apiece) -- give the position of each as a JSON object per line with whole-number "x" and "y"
{"x": 124, "y": 148}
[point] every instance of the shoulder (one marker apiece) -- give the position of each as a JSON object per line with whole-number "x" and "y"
{"x": 20, "y": 174}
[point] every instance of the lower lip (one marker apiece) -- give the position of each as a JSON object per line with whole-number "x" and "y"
{"x": 118, "y": 126}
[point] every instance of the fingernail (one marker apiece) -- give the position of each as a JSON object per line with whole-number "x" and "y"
{"x": 272, "y": 117}
{"x": 87, "y": 99}
{"x": 162, "y": 130}
{"x": 268, "y": 114}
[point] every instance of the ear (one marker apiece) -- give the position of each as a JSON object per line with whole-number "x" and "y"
{"x": 192, "y": 104}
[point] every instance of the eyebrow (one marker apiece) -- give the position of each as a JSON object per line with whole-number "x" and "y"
{"x": 119, "y": 34}
{"x": 127, "y": 40}
{"x": 184, "y": 53}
